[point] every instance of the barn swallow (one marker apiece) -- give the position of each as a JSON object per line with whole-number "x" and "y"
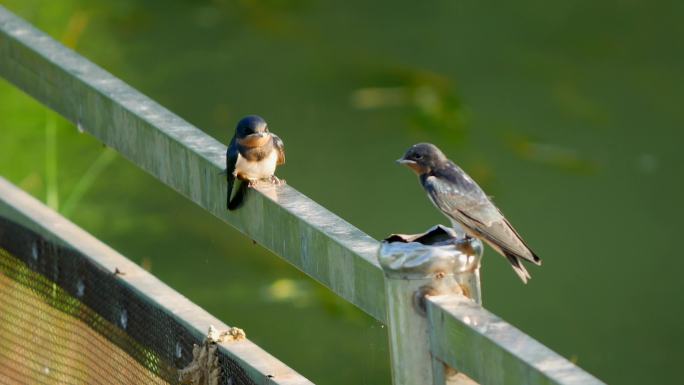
{"x": 470, "y": 210}
{"x": 252, "y": 155}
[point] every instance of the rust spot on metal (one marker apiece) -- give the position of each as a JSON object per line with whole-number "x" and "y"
{"x": 419, "y": 298}
{"x": 465, "y": 290}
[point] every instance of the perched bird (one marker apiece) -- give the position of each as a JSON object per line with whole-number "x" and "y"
{"x": 470, "y": 210}
{"x": 252, "y": 155}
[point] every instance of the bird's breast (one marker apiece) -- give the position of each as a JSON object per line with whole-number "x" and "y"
{"x": 256, "y": 169}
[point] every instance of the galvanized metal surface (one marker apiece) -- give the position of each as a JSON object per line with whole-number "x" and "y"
{"x": 27, "y": 211}
{"x": 423, "y": 255}
{"x": 437, "y": 251}
{"x": 413, "y": 270}
{"x": 186, "y": 159}
{"x": 295, "y": 228}
{"x": 408, "y": 333}
{"x": 491, "y": 351}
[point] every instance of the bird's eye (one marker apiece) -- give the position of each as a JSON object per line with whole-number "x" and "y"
{"x": 418, "y": 156}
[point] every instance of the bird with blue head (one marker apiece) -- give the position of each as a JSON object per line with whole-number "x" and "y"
{"x": 252, "y": 156}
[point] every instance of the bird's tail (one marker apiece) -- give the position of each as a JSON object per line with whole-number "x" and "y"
{"x": 518, "y": 267}
{"x": 239, "y": 196}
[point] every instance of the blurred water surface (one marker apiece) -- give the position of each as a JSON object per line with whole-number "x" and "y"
{"x": 567, "y": 113}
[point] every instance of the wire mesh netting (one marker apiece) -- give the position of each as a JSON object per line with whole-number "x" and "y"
{"x": 66, "y": 320}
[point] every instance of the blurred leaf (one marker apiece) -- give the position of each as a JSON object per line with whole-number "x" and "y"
{"x": 429, "y": 98}
{"x": 75, "y": 28}
{"x": 558, "y": 157}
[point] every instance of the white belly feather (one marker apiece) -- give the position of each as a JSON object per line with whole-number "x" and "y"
{"x": 256, "y": 170}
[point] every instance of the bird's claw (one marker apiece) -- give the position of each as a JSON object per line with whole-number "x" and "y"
{"x": 273, "y": 180}
{"x": 276, "y": 181}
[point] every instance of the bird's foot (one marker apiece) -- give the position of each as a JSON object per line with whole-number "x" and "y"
{"x": 465, "y": 240}
{"x": 252, "y": 183}
{"x": 276, "y": 181}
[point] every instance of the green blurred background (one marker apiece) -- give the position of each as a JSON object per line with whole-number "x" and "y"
{"x": 569, "y": 113}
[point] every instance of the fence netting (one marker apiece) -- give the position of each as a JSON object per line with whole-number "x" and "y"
{"x": 65, "y": 320}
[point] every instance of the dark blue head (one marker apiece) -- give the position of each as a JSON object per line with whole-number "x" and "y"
{"x": 251, "y": 125}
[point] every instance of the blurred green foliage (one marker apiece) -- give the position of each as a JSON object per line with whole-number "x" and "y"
{"x": 568, "y": 113}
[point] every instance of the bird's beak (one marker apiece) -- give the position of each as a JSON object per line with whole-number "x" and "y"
{"x": 258, "y": 135}
{"x": 406, "y": 162}
{"x": 412, "y": 164}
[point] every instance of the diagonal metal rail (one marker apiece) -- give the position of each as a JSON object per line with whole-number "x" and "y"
{"x": 281, "y": 219}
{"x": 492, "y": 351}
{"x": 189, "y": 161}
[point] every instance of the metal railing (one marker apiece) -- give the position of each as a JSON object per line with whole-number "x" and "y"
{"x": 462, "y": 334}
{"x": 21, "y": 208}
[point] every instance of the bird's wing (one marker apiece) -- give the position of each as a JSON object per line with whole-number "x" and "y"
{"x": 466, "y": 203}
{"x": 231, "y": 159}
{"x": 280, "y": 147}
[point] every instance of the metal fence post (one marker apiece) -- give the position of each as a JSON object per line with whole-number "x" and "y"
{"x": 432, "y": 263}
